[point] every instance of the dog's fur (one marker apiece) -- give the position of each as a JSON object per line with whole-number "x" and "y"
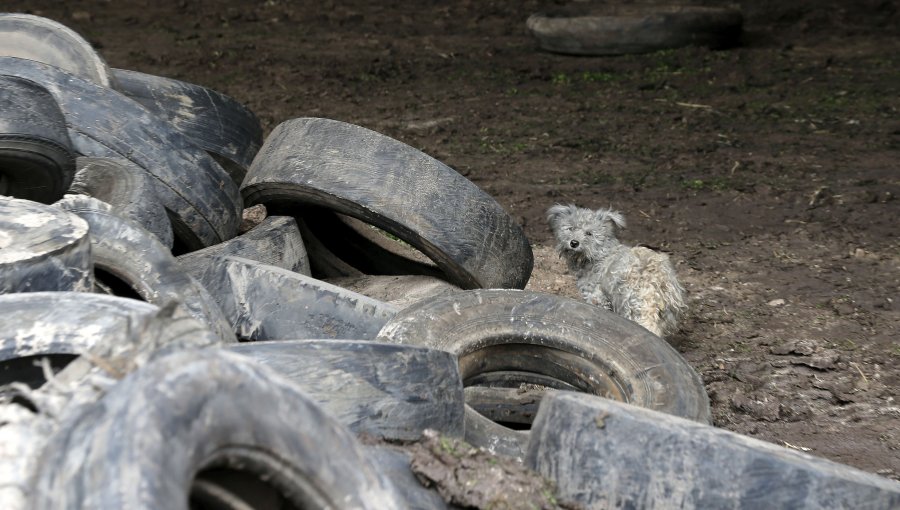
{"x": 635, "y": 282}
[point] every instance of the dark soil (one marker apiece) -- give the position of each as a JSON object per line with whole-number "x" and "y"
{"x": 768, "y": 171}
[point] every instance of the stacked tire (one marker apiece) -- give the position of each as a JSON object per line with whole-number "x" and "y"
{"x": 151, "y": 357}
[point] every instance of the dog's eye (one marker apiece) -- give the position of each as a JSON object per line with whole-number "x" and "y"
{"x": 588, "y": 233}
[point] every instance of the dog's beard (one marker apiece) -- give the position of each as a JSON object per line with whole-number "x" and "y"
{"x": 575, "y": 258}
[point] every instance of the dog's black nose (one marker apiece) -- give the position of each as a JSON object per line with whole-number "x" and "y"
{"x": 573, "y": 243}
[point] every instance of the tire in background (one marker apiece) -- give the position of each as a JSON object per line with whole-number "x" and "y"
{"x": 557, "y": 340}
{"x": 389, "y": 391}
{"x": 132, "y": 259}
{"x": 274, "y": 242}
{"x": 217, "y": 123}
{"x": 43, "y": 249}
{"x": 605, "y": 454}
{"x": 269, "y": 303}
{"x": 348, "y": 169}
{"x": 203, "y": 204}
{"x": 213, "y": 411}
{"x": 127, "y": 188}
{"x": 36, "y": 158}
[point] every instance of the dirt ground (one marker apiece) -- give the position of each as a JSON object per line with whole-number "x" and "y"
{"x": 769, "y": 171}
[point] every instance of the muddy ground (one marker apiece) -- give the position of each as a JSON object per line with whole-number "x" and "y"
{"x": 768, "y": 171}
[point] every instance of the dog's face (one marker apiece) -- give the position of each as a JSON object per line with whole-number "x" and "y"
{"x": 582, "y": 235}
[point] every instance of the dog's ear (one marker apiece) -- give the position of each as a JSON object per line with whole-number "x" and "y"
{"x": 614, "y": 217}
{"x": 555, "y": 213}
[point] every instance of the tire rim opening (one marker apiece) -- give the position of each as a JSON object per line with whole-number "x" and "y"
{"x": 505, "y": 382}
{"x": 29, "y": 369}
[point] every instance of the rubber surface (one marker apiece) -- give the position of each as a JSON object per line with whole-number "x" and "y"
{"x": 604, "y": 454}
{"x": 394, "y": 462}
{"x": 127, "y": 188}
{"x": 202, "y": 202}
{"x": 400, "y": 291}
{"x": 217, "y": 123}
{"x": 389, "y": 391}
{"x": 36, "y": 158}
{"x": 134, "y": 256}
{"x": 211, "y": 409}
{"x": 552, "y": 336}
{"x": 269, "y": 303}
{"x": 44, "y": 40}
{"x": 386, "y": 183}
{"x": 43, "y": 249}
{"x": 620, "y": 29}
{"x": 275, "y": 242}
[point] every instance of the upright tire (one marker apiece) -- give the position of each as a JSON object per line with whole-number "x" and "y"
{"x": 130, "y": 255}
{"x": 196, "y": 411}
{"x": 605, "y": 454}
{"x": 217, "y": 123}
{"x": 550, "y": 341}
{"x": 269, "y": 303}
{"x": 202, "y": 202}
{"x": 310, "y": 162}
{"x": 43, "y": 249}
{"x": 128, "y": 189}
{"x": 36, "y": 158}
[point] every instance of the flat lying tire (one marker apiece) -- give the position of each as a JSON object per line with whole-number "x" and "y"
{"x": 186, "y": 414}
{"x": 621, "y": 29}
{"x": 36, "y": 158}
{"x": 127, "y": 188}
{"x": 605, "y": 454}
{"x": 130, "y": 255}
{"x": 217, "y": 123}
{"x": 274, "y": 242}
{"x": 43, "y": 249}
{"x": 389, "y": 391}
{"x": 269, "y": 303}
{"x": 344, "y": 168}
{"x": 400, "y": 291}
{"x": 552, "y": 337}
{"x": 202, "y": 202}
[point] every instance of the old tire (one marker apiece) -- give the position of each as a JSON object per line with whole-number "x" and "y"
{"x": 310, "y": 162}
{"x": 604, "y": 454}
{"x": 275, "y": 242}
{"x": 128, "y": 189}
{"x": 400, "y": 291}
{"x": 554, "y": 337}
{"x": 127, "y": 254}
{"x": 202, "y": 202}
{"x": 269, "y": 303}
{"x": 194, "y": 411}
{"x": 394, "y": 463}
{"x": 215, "y": 122}
{"x": 45, "y": 40}
{"x": 36, "y": 158}
{"x": 43, "y": 249}
{"x": 389, "y": 391}
{"x": 621, "y": 29}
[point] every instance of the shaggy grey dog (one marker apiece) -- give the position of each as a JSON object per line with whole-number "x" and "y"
{"x": 634, "y": 282}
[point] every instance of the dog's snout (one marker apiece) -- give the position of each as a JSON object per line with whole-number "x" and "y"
{"x": 573, "y": 243}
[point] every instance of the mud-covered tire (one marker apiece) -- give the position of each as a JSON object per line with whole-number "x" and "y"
{"x": 203, "y": 204}
{"x": 400, "y": 291}
{"x": 567, "y": 340}
{"x": 44, "y": 40}
{"x": 269, "y": 303}
{"x": 143, "y": 443}
{"x": 389, "y": 391}
{"x": 36, "y": 158}
{"x": 622, "y": 29}
{"x": 217, "y": 123}
{"x": 130, "y": 255}
{"x": 394, "y": 463}
{"x": 43, "y": 249}
{"x": 127, "y": 188}
{"x": 604, "y": 454}
{"x": 311, "y": 162}
{"x": 274, "y": 242}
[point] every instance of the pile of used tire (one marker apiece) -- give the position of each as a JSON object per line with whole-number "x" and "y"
{"x": 155, "y": 353}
